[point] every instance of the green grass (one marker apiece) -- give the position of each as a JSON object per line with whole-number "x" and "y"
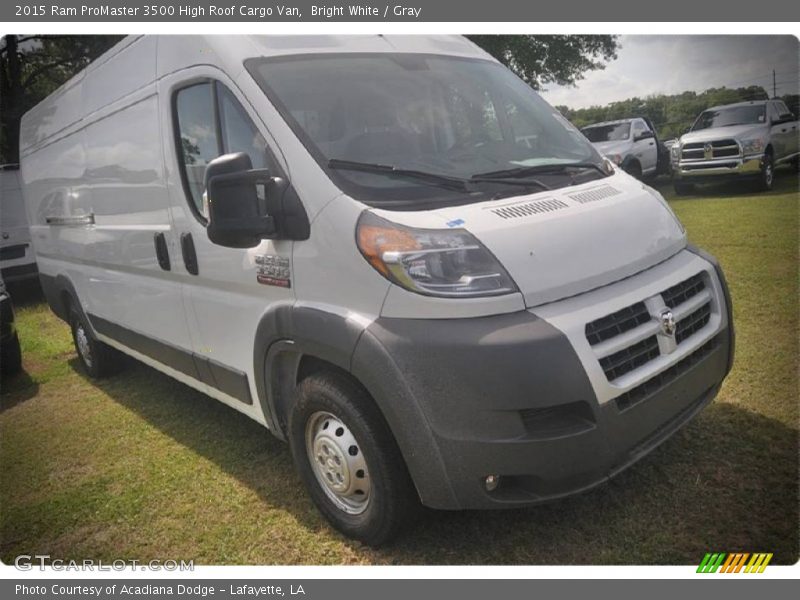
{"x": 142, "y": 467}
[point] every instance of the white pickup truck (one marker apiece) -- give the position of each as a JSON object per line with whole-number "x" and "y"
{"x": 736, "y": 141}
{"x": 631, "y": 144}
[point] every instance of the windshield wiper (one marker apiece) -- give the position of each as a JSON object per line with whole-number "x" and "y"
{"x": 520, "y": 172}
{"x": 510, "y": 181}
{"x": 455, "y": 183}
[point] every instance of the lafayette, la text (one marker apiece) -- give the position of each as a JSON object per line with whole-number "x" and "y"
{"x": 321, "y": 11}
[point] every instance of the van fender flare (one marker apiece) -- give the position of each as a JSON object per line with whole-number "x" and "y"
{"x": 54, "y": 288}
{"x": 287, "y": 333}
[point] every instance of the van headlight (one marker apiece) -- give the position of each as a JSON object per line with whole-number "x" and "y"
{"x": 752, "y": 146}
{"x": 449, "y": 263}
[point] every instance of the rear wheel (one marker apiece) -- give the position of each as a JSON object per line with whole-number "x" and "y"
{"x": 98, "y": 359}
{"x": 766, "y": 178}
{"x": 11, "y": 356}
{"x": 348, "y": 459}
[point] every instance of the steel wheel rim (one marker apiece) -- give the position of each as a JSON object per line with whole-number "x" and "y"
{"x": 338, "y": 462}
{"x": 82, "y": 342}
{"x": 768, "y": 174}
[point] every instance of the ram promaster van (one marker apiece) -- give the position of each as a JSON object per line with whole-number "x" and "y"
{"x": 389, "y": 251}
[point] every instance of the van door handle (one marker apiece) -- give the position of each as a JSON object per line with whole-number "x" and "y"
{"x": 189, "y": 254}
{"x": 162, "y": 253}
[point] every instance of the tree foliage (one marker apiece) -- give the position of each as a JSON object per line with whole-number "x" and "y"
{"x": 32, "y": 67}
{"x": 542, "y": 59}
{"x": 671, "y": 114}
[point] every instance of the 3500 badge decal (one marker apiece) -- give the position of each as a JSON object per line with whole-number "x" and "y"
{"x": 273, "y": 270}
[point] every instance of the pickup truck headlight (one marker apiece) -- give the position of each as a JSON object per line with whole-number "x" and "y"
{"x": 675, "y": 152}
{"x": 435, "y": 262}
{"x": 753, "y": 146}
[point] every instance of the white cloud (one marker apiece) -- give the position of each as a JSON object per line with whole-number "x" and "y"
{"x": 657, "y": 64}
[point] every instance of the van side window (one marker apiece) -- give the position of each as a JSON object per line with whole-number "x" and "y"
{"x": 239, "y": 134}
{"x": 200, "y": 144}
{"x": 210, "y": 122}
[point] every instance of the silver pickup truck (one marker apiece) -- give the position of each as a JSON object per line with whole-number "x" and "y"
{"x": 736, "y": 141}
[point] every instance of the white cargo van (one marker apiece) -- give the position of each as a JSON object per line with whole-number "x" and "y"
{"x": 17, "y": 261}
{"x": 388, "y": 250}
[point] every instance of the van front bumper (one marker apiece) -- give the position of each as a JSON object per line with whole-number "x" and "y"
{"x": 720, "y": 169}
{"x": 508, "y": 395}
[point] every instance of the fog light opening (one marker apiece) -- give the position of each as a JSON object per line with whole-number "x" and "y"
{"x": 491, "y": 482}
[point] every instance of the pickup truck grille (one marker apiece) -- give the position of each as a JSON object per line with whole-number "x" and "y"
{"x": 628, "y": 339}
{"x": 710, "y": 150}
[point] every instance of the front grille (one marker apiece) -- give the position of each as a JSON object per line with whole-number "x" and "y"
{"x": 646, "y": 343}
{"x": 693, "y": 323}
{"x": 616, "y": 323}
{"x": 681, "y": 292}
{"x": 655, "y": 384}
{"x": 717, "y": 149}
{"x": 632, "y": 357}
{"x": 12, "y": 252}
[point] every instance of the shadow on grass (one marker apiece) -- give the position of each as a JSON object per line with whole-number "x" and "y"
{"x": 16, "y": 389}
{"x": 726, "y": 482}
{"x": 786, "y": 180}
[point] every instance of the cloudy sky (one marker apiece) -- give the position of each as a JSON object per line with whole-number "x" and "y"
{"x": 655, "y": 64}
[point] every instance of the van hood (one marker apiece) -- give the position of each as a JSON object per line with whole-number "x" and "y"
{"x": 738, "y": 132}
{"x": 615, "y": 147}
{"x": 564, "y": 242}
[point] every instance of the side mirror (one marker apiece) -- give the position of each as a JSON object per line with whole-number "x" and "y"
{"x": 645, "y": 135}
{"x": 235, "y": 216}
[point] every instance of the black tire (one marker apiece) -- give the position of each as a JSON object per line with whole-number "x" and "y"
{"x": 391, "y": 498}
{"x": 766, "y": 178}
{"x": 99, "y": 360}
{"x": 11, "y": 357}
{"x": 682, "y": 189}
{"x": 634, "y": 169}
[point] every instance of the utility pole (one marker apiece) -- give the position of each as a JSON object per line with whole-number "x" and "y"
{"x": 774, "y": 87}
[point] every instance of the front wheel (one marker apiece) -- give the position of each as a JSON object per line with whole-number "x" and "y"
{"x": 349, "y": 461}
{"x": 634, "y": 169}
{"x": 767, "y": 177}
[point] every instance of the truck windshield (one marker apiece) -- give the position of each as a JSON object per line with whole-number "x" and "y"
{"x": 735, "y": 115}
{"x": 447, "y": 116}
{"x": 615, "y": 132}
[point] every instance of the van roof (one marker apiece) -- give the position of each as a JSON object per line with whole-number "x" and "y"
{"x": 137, "y": 61}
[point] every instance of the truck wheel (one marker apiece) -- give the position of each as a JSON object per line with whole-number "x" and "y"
{"x": 98, "y": 359}
{"x": 767, "y": 177}
{"x": 11, "y": 357}
{"x": 682, "y": 189}
{"x": 634, "y": 169}
{"x": 348, "y": 459}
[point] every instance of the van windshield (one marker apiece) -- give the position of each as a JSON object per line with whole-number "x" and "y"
{"x": 443, "y": 116}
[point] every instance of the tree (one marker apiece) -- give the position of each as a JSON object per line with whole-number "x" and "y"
{"x": 32, "y": 67}
{"x": 542, "y": 59}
